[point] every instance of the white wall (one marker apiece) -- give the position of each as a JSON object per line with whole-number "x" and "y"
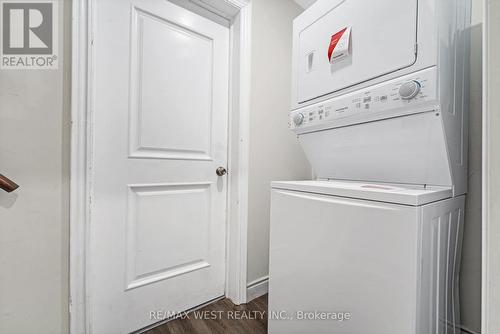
{"x": 274, "y": 151}
{"x": 470, "y": 277}
{"x": 492, "y": 186}
{"x": 34, "y": 151}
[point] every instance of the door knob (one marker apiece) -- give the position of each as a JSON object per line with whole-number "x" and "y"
{"x": 221, "y": 171}
{"x": 7, "y": 184}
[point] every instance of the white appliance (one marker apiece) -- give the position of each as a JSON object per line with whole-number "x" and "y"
{"x": 379, "y": 105}
{"x": 388, "y": 256}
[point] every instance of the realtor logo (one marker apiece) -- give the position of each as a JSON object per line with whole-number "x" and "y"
{"x": 29, "y": 35}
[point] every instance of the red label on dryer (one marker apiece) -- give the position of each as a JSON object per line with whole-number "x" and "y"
{"x": 339, "y": 45}
{"x": 334, "y": 41}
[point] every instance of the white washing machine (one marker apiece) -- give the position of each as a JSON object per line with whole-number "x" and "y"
{"x": 379, "y": 105}
{"x": 388, "y": 256}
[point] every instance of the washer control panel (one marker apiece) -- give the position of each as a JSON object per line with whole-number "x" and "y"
{"x": 397, "y": 96}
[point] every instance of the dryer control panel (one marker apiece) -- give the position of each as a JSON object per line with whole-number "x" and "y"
{"x": 413, "y": 93}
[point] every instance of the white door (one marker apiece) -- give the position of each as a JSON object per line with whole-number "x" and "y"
{"x": 159, "y": 116}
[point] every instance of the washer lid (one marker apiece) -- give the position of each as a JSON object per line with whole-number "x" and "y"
{"x": 382, "y": 192}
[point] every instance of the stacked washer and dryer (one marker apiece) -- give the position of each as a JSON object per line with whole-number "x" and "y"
{"x": 380, "y": 106}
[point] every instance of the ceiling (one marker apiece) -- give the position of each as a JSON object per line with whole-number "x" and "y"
{"x": 305, "y": 3}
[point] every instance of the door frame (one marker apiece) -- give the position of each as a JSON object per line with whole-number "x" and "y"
{"x": 238, "y": 14}
{"x": 490, "y": 227}
{"x": 485, "y": 268}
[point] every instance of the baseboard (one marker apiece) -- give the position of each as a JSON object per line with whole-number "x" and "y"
{"x": 257, "y": 288}
{"x": 465, "y": 330}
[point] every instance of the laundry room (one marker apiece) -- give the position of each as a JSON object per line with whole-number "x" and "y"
{"x": 249, "y": 166}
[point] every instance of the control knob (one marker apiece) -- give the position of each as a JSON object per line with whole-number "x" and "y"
{"x": 298, "y": 118}
{"x": 409, "y": 90}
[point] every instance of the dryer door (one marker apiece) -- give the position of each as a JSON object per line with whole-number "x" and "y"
{"x": 353, "y": 42}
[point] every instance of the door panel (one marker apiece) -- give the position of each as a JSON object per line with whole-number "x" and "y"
{"x": 157, "y": 219}
{"x": 171, "y": 89}
{"x": 382, "y": 40}
{"x": 164, "y": 219}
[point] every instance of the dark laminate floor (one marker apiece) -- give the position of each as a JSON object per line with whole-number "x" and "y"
{"x": 229, "y": 319}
